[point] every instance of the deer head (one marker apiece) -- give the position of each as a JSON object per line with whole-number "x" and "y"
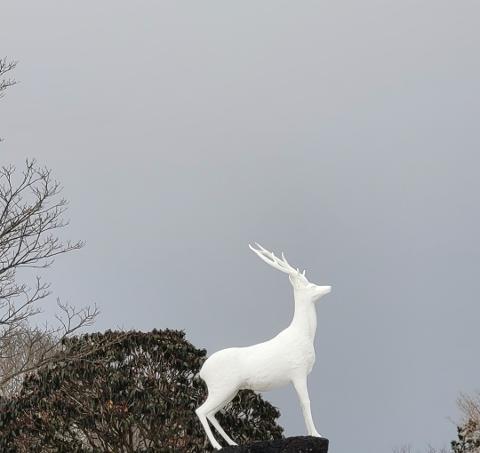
{"x": 301, "y": 285}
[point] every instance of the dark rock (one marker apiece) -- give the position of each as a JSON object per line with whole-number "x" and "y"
{"x": 300, "y": 444}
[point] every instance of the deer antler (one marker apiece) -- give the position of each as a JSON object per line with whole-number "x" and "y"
{"x": 272, "y": 260}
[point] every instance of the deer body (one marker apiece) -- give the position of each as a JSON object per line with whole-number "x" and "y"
{"x": 270, "y": 365}
{"x": 286, "y": 358}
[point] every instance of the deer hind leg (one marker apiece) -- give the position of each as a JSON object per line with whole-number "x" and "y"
{"x": 214, "y": 422}
{"x": 301, "y": 388}
{"x": 213, "y": 404}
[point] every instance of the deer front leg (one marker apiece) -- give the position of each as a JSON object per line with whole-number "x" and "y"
{"x": 300, "y": 385}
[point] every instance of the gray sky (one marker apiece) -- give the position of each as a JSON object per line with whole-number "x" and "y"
{"x": 343, "y": 133}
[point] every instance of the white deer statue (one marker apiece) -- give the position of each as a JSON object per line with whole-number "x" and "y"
{"x": 288, "y": 357}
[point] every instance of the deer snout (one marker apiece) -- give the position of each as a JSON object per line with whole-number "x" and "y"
{"x": 321, "y": 291}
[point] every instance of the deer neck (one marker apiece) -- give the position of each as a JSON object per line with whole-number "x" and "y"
{"x": 304, "y": 317}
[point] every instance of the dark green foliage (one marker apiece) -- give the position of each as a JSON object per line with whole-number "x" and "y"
{"x": 136, "y": 392}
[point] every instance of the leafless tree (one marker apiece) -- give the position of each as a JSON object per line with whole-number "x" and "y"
{"x": 5, "y": 82}
{"x": 469, "y": 428}
{"x": 470, "y": 407}
{"x": 5, "y": 67}
{"x": 31, "y": 217}
{"x": 403, "y": 449}
{"x": 25, "y": 347}
{"x": 410, "y": 449}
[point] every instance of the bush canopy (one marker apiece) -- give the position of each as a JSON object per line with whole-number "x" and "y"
{"x": 136, "y": 392}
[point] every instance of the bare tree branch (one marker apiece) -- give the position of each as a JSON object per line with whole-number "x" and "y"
{"x": 31, "y": 216}
{"x": 6, "y": 82}
{"x": 6, "y": 66}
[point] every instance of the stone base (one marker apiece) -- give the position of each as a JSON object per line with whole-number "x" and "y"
{"x": 300, "y": 444}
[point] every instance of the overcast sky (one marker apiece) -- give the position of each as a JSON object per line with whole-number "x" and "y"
{"x": 344, "y": 133}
